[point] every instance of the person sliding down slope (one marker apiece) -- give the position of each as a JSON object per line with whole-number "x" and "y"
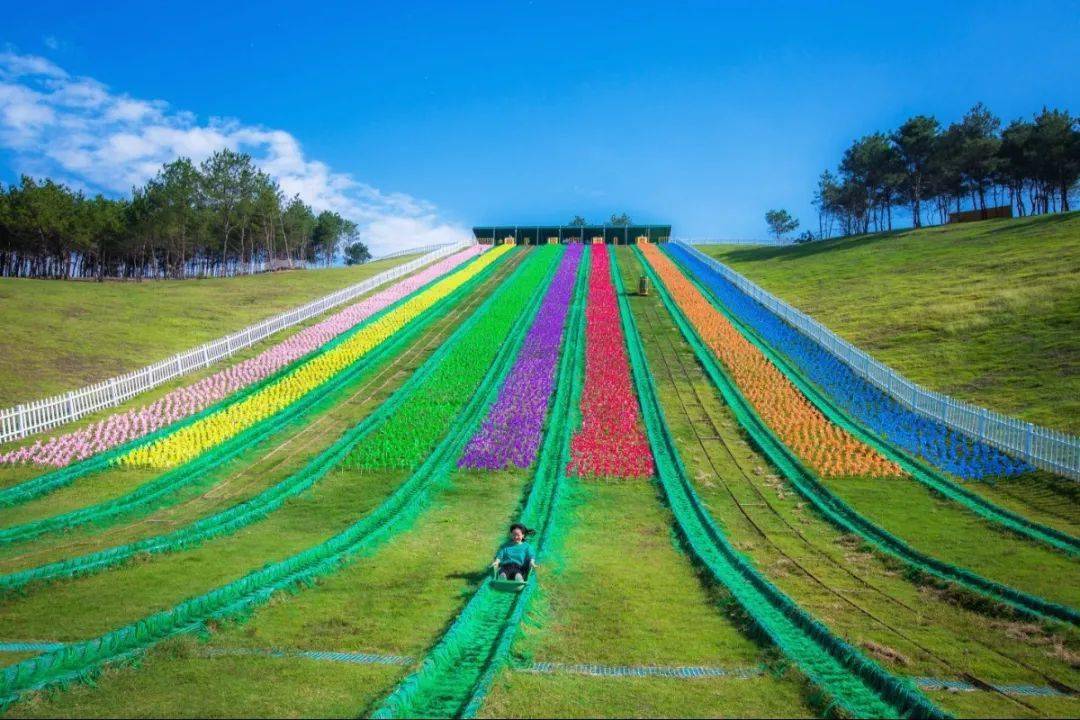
{"x": 515, "y": 558}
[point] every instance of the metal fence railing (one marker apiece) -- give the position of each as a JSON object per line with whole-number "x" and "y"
{"x": 28, "y": 418}
{"x": 408, "y": 251}
{"x": 1042, "y": 447}
{"x": 779, "y": 242}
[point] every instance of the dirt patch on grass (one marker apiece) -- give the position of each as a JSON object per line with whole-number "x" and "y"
{"x": 885, "y": 653}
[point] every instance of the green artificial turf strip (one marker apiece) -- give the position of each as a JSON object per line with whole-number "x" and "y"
{"x": 947, "y": 630}
{"x": 44, "y": 349}
{"x": 521, "y": 695}
{"x": 988, "y": 312}
{"x": 265, "y": 464}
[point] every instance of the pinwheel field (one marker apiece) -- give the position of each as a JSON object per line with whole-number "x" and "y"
{"x": 730, "y": 518}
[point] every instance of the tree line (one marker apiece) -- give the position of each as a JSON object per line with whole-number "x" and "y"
{"x": 931, "y": 170}
{"x": 223, "y": 216}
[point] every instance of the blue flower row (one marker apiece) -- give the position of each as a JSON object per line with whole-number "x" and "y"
{"x": 921, "y": 436}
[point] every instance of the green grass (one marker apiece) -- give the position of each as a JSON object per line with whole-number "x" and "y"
{"x": 864, "y": 598}
{"x": 129, "y": 592}
{"x": 621, "y": 593}
{"x": 938, "y": 527}
{"x": 522, "y": 695}
{"x": 1046, "y": 498}
{"x": 174, "y": 681}
{"x": 88, "y": 606}
{"x": 972, "y": 704}
{"x": 617, "y": 590}
{"x": 267, "y": 463}
{"x": 396, "y": 600}
{"x": 62, "y": 335}
{"x": 616, "y": 587}
{"x": 988, "y": 312}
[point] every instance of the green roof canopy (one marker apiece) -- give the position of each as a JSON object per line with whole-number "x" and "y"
{"x": 539, "y": 234}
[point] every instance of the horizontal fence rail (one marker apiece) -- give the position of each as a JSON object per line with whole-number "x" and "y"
{"x": 414, "y": 251}
{"x": 29, "y": 418}
{"x": 1042, "y": 447}
{"x": 734, "y": 241}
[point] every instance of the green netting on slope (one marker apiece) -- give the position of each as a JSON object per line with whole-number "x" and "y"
{"x": 833, "y": 508}
{"x": 457, "y": 672}
{"x": 54, "y": 480}
{"x": 150, "y": 494}
{"x": 404, "y": 440}
{"x": 921, "y": 471}
{"x": 255, "y": 508}
{"x": 79, "y": 661}
{"x": 855, "y": 683}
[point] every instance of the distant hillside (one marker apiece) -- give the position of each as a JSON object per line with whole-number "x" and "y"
{"x": 988, "y": 312}
{"x": 60, "y": 335}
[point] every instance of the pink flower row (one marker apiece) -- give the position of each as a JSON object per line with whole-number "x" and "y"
{"x": 121, "y": 427}
{"x": 611, "y": 441}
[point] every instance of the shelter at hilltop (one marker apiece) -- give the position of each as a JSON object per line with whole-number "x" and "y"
{"x": 541, "y": 234}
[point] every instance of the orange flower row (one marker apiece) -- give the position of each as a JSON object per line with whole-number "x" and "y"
{"x": 828, "y": 449}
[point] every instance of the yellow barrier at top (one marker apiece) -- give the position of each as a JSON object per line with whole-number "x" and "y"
{"x": 194, "y": 439}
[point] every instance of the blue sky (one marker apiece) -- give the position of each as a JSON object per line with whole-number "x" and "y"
{"x": 424, "y": 118}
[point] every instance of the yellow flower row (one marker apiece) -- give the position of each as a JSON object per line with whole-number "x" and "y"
{"x": 194, "y": 439}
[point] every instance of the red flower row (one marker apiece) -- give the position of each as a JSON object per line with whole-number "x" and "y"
{"x": 610, "y": 441}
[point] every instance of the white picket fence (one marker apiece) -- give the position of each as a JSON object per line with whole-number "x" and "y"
{"x": 32, "y": 417}
{"x": 1042, "y": 447}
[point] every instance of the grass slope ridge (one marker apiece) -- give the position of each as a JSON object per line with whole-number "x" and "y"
{"x": 987, "y": 312}
{"x": 44, "y": 348}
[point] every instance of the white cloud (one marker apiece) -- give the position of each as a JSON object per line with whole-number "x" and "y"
{"x": 78, "y": 130}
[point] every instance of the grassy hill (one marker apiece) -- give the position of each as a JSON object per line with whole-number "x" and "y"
{"x": 61, "y": 335}
{"x": 988, "y": 312}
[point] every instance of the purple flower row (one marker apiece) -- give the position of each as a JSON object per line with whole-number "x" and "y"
{"x": 180, "y": 403}
{"x": 512, "y": 431}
